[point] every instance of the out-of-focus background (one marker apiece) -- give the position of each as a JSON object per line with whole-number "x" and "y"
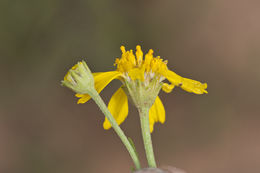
{"x": 42, "y": 129}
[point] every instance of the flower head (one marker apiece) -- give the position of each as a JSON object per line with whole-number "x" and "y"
{"x": 142, "y": 79}
{"x": 79, "y": 79}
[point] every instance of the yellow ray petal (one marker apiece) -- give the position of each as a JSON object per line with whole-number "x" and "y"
{"x": 156, "y": 113}
{"x": 194, "y": 86}
{"x": 118, "y": 106}
{"x": 83, "y": 98}
{"x": 102, "y": 79}
{"x": 173, "y": 78}
{"x": 186, "y": 84}
{"x": 167, "y": 87}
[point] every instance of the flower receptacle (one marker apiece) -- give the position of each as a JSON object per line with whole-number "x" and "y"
{"x": 142, "y": 95}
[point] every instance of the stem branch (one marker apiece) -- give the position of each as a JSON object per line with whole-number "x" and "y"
{"x": 96, "y": 97}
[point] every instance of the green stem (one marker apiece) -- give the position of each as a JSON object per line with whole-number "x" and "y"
{"x": 148, "y": 146}
{"x": 96, "y": 97}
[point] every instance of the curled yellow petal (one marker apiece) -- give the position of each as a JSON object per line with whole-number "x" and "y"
{"x": 156, "y": 113}
{"x": 167, "y": 87}
{"x": 102, "y": 79}
{"x": 118, "y": 106}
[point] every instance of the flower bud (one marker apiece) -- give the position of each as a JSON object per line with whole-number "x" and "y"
{"x": 79, "y": 79}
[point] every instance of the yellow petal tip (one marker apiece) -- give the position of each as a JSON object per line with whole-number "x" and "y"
{"x": 106, "y": 125}
{"x": 80, "y": 101}
{"x": 151, "y": 128}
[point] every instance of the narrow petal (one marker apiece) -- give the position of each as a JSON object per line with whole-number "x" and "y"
{"x": 102, "y": 79}
{"x": 186, "y": 84}
{"x": 194, "y": 86}
{"x": 173, "y": 78}
{"x": 167, "y": 87}
{"x": 156, "y": 113}
{"x": 118, "y": 106}
{"x": 83, "y": 98}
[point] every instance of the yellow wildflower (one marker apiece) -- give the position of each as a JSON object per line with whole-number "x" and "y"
{"x": 141, "y": 78}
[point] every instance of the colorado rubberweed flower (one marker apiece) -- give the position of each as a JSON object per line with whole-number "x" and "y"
{"x": 142, "y": 79}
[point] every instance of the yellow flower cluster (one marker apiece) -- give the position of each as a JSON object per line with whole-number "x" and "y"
{"x": 147, "y": 70}
{"x": 137, "y": 68}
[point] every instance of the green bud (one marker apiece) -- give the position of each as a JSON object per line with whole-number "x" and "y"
{"x": 79, "y": 79}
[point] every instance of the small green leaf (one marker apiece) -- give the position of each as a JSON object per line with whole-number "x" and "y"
{"x": 133, "y": 145}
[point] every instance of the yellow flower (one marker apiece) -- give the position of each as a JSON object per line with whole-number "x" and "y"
{"x": 141, "y": 78}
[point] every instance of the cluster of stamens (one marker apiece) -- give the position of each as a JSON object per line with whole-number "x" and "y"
{"x": 135, "y": 67}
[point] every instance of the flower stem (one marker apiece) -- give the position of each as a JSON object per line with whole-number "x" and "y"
{"x": 96, "y": 97}
{"x": 148, "y": 146}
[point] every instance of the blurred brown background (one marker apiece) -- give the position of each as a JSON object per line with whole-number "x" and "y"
{"x": 42, "y": 129}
